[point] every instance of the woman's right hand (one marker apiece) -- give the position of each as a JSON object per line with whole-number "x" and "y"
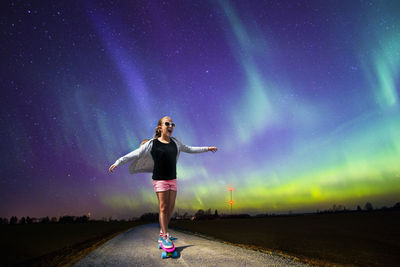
{"x": 112, "y": 167}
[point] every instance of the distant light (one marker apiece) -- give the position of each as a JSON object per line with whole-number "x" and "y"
{"x": 230, "y": 189}
{"x": 231, "y": 202}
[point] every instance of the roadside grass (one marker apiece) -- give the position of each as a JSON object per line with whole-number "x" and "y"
{"x": 337, "y": 239}
{"x": 55, "y": 244}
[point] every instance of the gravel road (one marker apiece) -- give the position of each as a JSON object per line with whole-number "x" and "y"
{"x": 138, "y": 247}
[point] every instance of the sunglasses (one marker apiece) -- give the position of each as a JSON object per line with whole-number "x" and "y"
{"x": 169, "y": 124}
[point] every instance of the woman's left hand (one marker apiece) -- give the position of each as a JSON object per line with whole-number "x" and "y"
{"x": 212, "y": 148}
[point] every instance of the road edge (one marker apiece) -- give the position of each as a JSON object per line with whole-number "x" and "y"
{"x": 279, "y": 253}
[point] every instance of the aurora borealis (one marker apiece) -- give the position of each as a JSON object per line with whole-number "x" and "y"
{"x": 300, "y": 97}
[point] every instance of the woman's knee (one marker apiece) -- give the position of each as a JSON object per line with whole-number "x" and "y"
{"x": 163, "y": 199}
{"x": 164, "y": 208}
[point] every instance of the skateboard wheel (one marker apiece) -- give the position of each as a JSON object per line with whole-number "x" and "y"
{"x": 175, "y": 254}
{"x": 163, "y": 255}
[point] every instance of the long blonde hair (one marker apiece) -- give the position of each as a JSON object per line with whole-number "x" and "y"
{"x": 157, "y": 132}
{"x": 144, "y": 141}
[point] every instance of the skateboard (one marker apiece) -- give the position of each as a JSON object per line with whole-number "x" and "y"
{"x": 168, "y": 252}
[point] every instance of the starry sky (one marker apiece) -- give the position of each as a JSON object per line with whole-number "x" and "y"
{"x": 300, "y": 97}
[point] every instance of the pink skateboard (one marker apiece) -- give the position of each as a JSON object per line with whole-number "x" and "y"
{"x": 168, "y": 252}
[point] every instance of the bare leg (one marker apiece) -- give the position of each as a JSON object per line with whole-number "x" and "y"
{"x": 163, "y": 201}
{"x": 172, "y": 197}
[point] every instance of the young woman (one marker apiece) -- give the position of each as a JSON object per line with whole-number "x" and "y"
{"x": 159, "y": 155}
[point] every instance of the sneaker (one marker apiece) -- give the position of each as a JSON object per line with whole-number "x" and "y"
{"x": 160, "y": 237}
{"x": 171, "y": 237}
{"x": 167, "y": 243}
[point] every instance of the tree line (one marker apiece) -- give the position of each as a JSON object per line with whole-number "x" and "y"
{"x": 367, "y": 207}
{"x": 199, "y": 215}
{"x": 44, "y": 220}
{"x": 61, "y": 219}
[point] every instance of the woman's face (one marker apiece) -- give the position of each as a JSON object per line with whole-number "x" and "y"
{"x": 167, "y": 130}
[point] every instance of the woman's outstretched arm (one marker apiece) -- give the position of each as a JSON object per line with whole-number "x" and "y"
{"x": 213, "y": 148}
{"x": 195, "y": 149}
{"x": 135, "y": 154}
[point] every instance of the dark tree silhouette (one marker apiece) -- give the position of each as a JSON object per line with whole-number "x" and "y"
{"x": 45, "y": 220}
{"x": 66, "y": 219}
{"x": 149, "y": 217}
{"x": 368, "y": 206}
{"x": 199, "y": 213}
{"x": 22, "y": 220}
{"x": 359, "y": 208}
{"x": 13, "y": 220}
{"x": 82, "y": 219}
{"x": 216, "y": 213}
{"x": 208, "y": 212}
{"x": 28, "y": 220}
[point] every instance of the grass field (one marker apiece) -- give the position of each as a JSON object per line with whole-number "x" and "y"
{"x": 341, "y": 239}
{"x": 345, "y": 239}
{"x": 54, "y": 244}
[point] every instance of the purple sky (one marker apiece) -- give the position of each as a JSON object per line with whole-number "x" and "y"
{"x": 300, "y": 97}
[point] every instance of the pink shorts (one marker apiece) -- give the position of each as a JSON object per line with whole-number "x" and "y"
{"x": 165, "y": 185}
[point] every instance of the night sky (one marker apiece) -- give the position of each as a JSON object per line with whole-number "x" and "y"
{"x": 300, "y": 97}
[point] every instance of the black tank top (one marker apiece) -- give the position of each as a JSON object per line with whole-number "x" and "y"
{"x": 164, "y": 156}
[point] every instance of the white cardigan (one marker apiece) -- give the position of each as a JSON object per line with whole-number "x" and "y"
{"x": 143, "y": 161}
